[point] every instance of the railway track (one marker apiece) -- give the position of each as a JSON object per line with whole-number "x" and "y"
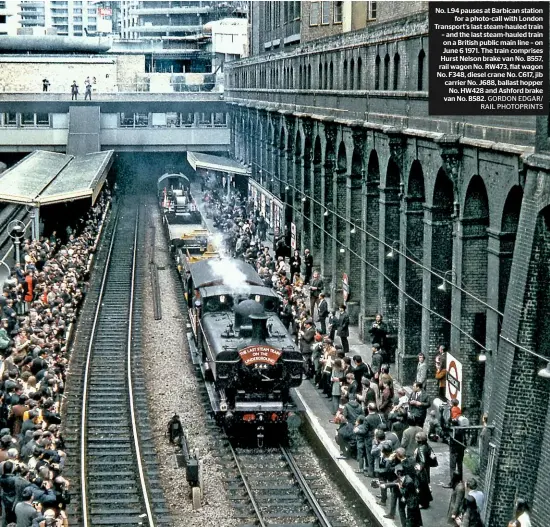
{"x": 107, "y": 414}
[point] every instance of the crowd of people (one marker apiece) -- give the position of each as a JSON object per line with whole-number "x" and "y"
{"x": 379, "y": 426}
{"x": 39, "y": 304}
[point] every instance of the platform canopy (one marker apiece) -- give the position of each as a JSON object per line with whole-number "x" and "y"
{"x": 44, "y": 178}
{"x": 216, "y": 163}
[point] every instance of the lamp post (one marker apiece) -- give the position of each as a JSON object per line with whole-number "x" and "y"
{"x": 16, "y": 231}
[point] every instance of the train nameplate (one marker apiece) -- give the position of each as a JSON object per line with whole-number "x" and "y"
{"x": 260, "y": 354}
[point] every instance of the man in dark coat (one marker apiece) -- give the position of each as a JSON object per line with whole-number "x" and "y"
{"x": 361, "y": 370}
{"x": 308, "y": 263}
{"x": 286, "y": 312}
{"x": 343, "y": 328}
{"x": 419, "y": 403}
{"x": 315, "y": 289}
{"x": 306, "y": 342}
{"x": 322, "y": 311}
{"x": 379, "y": 333}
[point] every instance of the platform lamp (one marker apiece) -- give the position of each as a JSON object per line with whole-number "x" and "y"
{"x": 443, "y": 285}
{"x": 394, "y": 248}
{"x": 545, "y": 372}
{"x": 16, "y": 231}
{"x": 482, "y": 357}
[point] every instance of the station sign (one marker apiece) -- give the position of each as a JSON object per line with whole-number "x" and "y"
{"x": 453, "y": 386}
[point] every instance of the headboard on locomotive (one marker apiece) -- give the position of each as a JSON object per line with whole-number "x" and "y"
{"x": 233, "y": 310}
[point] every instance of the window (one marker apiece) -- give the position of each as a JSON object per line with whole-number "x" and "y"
{"x": 42, "y": 119}
{"x": 297, "y": 10}
{"x": 134, "y": 120}
{"x": 371, "y": 11}
{"x": 314, "y": 14}
{"x": 2, "y": 19}
{"x": 325, "y": 16}
{"x": 27, "y": 119}
{"x": 10, "y": 119}
{"x": 337, "y": 12}
{"x": 172, "y": 120}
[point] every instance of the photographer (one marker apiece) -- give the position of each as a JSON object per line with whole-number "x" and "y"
{"x": 51, "y": 519}
{"x": 379, "y": 333}
{"x": 25, "y": 511}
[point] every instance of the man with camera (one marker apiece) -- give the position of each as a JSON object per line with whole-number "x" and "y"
{"x": 379, "y": 333}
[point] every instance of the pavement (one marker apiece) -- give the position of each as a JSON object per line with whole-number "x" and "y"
{"x": 317, "y": 411}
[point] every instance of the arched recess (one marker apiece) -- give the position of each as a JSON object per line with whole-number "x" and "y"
{"x": 325, "y": 84}
{"x": 308, "y": 77}
{"x": 441, "y": 258}
{"x": 328, "y": 198}
{"x": 421, "y": 70}
{"x": 340, "y": 207}
{"x": 320, "y": 85}
{"x": 508, "y": 231}
{"x": 331, "y": 76}
{"x": 356, "y": 217}
{"x": 473, "y": 319}
{"x": 387, "y": 72}
{"x": 377, "y": 73}
{"x": 390, "y": 202}
{"x": 352, "y": 75}
{"x": 317, "y": 213}
{"x": 372, "y": 218}
{"x": 270, "y": 175}
{"x": 280, "y": 179}
{"x": 294, "y": 157}
{"x": 396, "y": 71}
{"x": 359, "y": 83}
{"x": 414, "y": 240}
{"x": 306, "y": 205}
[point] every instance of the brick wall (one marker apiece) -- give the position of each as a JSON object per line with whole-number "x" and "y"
{"x": 389, "y": 10}
{"x": 25, "y": 74}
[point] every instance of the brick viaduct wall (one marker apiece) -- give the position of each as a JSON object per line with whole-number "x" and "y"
{"x": 449, "y": 206}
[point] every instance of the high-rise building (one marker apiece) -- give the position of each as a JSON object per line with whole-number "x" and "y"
{"x": 174, "y": 21}
{"x": 9, "y": 18}
{"x": 33, "y": 13}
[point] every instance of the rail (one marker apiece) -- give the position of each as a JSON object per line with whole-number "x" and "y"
{"x": 249, "y": 490}
{"x": 85, "y": 502}
{"x": 306, "y": 489}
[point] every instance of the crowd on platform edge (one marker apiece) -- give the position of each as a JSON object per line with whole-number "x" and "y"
{"x": 387, "y": 430}
{"x": 39, "y": 305}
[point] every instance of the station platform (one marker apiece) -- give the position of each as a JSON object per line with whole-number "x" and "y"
{"x": 316, "y": 410}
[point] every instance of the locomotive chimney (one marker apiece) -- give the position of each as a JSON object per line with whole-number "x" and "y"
{"x": 259, "y": 328}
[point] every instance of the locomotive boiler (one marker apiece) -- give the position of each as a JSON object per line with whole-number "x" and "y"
{"x": 248, "y": 360}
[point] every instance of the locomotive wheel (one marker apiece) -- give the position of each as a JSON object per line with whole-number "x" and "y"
{"x": 196, "y": 494}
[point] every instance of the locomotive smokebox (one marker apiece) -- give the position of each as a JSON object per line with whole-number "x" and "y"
{"x": 260, "y": 333}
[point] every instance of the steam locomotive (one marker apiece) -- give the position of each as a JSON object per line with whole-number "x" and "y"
{"x": 247, "y": 358}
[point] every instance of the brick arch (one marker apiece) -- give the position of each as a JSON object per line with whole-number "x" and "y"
{"x": 525, "y": 394}
{"x": 306, "y": 205}
{"x": 328, "y": 197}
{"x": 317, "y": 208}
{"x": 340, "y": 206}
{"x": 356, "y": 215}
{"x": 473, "y": 319}
{"x": 508, "y": 231}
{"x": 414, "y": 276}
{"x": 390, "y": 225}
{"x": 342, "y": 163}
{"x": 441, "y": 258}
{"x": 371, "y": 251}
